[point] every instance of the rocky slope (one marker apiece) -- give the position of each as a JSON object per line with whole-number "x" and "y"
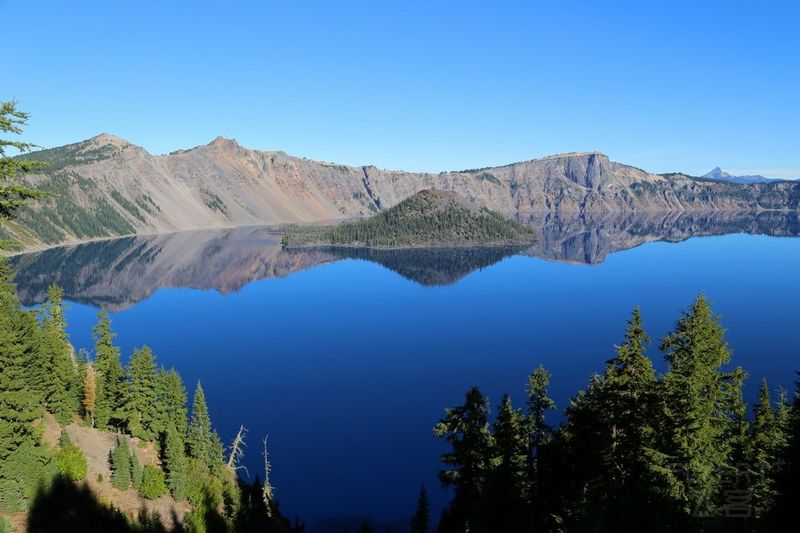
{"x": 106, "y": 186}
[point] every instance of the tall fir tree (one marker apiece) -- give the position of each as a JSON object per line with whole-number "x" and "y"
{"x": 200, "y": 437}
{"x": 539, "y": 404}
{"x": 176, "y": 464}
{"x": 696, "y": 402}
{"x": 420, "y": 522}
{"x": 767, "y": 442}
{"x": 62, "y": 389}
{"x": 19, "y": 406}
{"x": 507, "y": 486}
{"x": 171, "y": 402}
{"x": 141, "y": 406}
{"x": 788, "y": 471}
{"x": 111, "y": 383}
{"x": 466, "y": 429}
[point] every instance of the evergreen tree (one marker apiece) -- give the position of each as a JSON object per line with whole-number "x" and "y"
{"x": 175, "y": 464}
{"x": 420, "y": 522}
{"x": 111, "y": 384}
{"x": 18, "y": 404}
{"x": 466, "y": 429}
{"x": 136, "y": 471}
{"x": 62, "y": 388}
{"x": 696, "y": 407}
{"x": 141, "y": 406}
{"x": 121, "y": 465}
{"x": 789, "y": 471}
{"x": 508, "y": 481}
{"x": 13, "y": 194}
{"x": 625, "y": 409}
{"x": 766, "y": 445}
{"x": 200, "y": 438}
{"x": 171, "y": 404}
{"x": 541, "y": 433}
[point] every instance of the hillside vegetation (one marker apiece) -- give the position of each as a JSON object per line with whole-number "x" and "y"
{"x": 429, "y": 218}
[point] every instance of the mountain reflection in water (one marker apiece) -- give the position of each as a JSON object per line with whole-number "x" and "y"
{"x": 119, "y": 273}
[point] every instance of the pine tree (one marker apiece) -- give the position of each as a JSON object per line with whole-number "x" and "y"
{"x": 89, "y": 400}
{"x": 111, "y": 383}
{"x": 171, "y": 402}
{"x": 18, "y": 404}
{"x": 624, "y": 407}
{"x": 787, "y": 475}
{"x": 141, "y": 406}
{"x": 766, "y": 445}
{"x": 136, "y": 471}
{"x": 121, "y": 465}
{"x": 696, "y": 403}
{"x": 541, "y": 433}
{"x": 176, "y": 464}
{"x": 508, "y": 481}
{"x": 420, "y": 522}
{"x": 200, "y": 438}
{"x": 466, "y": 429}
{"x": 62, "y": 388}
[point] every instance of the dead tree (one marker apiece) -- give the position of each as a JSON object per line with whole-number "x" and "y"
{"x": 237, "y": 451}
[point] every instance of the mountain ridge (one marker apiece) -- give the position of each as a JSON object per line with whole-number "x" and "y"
{"x": 106, "y": 187}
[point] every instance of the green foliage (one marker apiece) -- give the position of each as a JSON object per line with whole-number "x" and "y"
{"x": 70, "y": 462}
{"x": 466, "y": 430}
{"x": 429, "y": 218}
{"x": 200, "y": 438}
{"x": 171, "y": 405}
{"x": 140, "y": 403}
{"x": 13, "y": 194}
{"x": 176, "y": 464}
{"x": 697, "y": 399}
{"x": 62, "y": 386}
{"x": 111, "y": 383}
{"x": 152, "y": 485}
{"x": 127, "y": 205}
{"x": 121, "y": 477}
{"x": 136, "y": 472}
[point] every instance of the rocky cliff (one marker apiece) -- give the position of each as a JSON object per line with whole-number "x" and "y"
{"x": 106, "y": 186}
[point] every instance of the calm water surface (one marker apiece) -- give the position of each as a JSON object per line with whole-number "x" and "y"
{"x": 347, "y": 363}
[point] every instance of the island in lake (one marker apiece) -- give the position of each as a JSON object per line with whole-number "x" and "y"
{"x": 429, "y": 218}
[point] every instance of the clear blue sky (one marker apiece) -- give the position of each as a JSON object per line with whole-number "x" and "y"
{"x": 419, "y": 85}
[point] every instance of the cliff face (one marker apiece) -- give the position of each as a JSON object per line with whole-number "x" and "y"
{"x": 106, "y": 186}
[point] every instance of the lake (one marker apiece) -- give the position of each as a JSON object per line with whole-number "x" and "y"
{"x": 348, "y": 358}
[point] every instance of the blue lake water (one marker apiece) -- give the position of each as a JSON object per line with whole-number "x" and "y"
{"x": 347, "y": 364}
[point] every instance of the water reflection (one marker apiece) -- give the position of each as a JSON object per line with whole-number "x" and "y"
{"x": 118, "y": 273}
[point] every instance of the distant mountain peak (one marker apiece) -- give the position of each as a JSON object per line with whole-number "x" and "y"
{"x": 717, "y": 174}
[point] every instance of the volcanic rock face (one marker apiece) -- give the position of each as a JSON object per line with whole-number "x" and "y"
{"x": 106, "y": 186}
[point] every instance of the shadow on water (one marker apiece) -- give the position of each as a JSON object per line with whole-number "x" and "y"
{"x": 119, "y": 273}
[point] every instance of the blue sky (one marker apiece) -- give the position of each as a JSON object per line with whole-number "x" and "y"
{"x": 419, "y": 85}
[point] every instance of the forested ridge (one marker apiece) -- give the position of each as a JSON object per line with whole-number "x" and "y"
{"x": 428, "y": 218}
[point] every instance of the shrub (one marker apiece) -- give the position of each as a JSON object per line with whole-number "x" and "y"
{"x": 70, "y": 462}
{"x": 153, "y": 484}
